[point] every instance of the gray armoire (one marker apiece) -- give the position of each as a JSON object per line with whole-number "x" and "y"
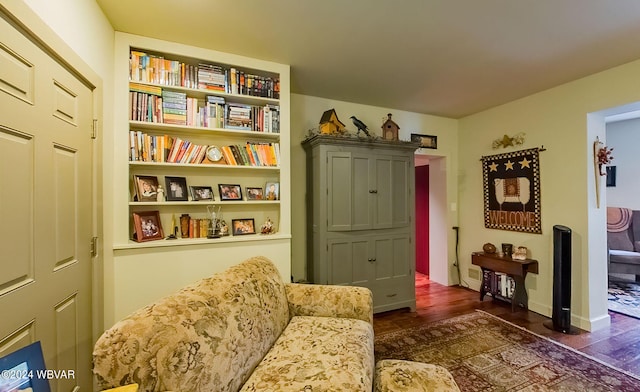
{"x": 360, "y": 216}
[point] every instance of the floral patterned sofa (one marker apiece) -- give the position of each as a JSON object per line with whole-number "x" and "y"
{"x": 246, "y": 330}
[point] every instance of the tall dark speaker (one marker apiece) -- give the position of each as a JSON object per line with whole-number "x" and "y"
{"x": 561, "y": 312}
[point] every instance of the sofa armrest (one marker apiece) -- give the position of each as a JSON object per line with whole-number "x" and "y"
{"x": 330, "y": 301}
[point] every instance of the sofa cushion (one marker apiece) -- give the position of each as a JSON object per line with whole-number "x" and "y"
{"x": 624, "y": 257}
{"x": 620, "y": 241}
{"x": 318, "y": 354}
{"x": 208, "y": 336}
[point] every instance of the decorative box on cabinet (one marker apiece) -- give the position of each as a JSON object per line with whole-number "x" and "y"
{"x": 361, "y": 230}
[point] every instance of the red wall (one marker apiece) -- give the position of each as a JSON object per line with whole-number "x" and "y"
{"x": 422, "y": 219}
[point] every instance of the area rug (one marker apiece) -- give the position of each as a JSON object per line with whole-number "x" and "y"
{"x": 624, "y": 297}
{"x": 486, "y": 353}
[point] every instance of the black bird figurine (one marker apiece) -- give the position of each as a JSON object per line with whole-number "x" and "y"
{"x": 360, "y": 125}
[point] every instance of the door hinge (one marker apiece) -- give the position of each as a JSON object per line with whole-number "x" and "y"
{"x": 94, "y": 246}
{"x": 94, "y": 129}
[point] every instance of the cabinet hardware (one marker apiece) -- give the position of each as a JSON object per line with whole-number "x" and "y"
{"x": 391, "y": 295}
{"x": 373, "y": 191}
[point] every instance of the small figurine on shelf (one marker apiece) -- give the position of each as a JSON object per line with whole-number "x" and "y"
{"x": 267, "y": 227}
{"x": 160, "y": 194}
{"x": 520, "y": 253}
{"x": 223, "y": 228}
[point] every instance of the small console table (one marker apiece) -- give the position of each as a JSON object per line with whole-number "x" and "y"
{"x": 490, "y": 263}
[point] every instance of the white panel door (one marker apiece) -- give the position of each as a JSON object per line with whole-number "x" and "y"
{"x": 45, "y": 208}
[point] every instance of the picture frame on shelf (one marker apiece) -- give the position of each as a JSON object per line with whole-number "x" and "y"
{"x": 243, "y": 226}
{"x": 147, "y": 226}
{"x": 426, "y": 141}
{"x": 176, "y": 188}
{"x": 230, "y": 192}
{"x": 272, "y": 190}
{"x": 200, "y": 193}
{"x": 255, "y": 193}
{"x": 146, "y": 188}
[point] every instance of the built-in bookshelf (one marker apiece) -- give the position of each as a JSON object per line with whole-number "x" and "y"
{"x": 194, "y": 122}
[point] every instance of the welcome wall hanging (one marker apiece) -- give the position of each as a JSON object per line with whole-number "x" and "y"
{"x": 512, "y": 191}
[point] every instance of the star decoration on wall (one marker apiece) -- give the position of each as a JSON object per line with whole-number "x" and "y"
{"x": 508, "y": 165}
{"x": 493, "y": 167}
{"x": 524, "y": 163}
{"x": 509, "y": 141}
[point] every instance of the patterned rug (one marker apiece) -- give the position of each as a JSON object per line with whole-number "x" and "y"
{"x": 485, "y": 353}
{"x": 624, "y": 297}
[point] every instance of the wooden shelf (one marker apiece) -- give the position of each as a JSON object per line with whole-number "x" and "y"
{"x": 516, "y": 269}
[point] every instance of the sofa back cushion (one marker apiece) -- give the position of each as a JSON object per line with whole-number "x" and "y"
{"x": 209, "y": 336}
{"x": 635, "y": 229}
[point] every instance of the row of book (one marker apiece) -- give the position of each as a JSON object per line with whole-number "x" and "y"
{"x": 252, "y": 154}
{"x": 167, "y": 149}
{"x": 502, "y": 284}
{"x": 157, "y": 105}
{"x": 149, "y": 68}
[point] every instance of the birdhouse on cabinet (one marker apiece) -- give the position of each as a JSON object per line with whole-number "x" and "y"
{"x": 390, "y": 129}
{"x": 329, "y": 123}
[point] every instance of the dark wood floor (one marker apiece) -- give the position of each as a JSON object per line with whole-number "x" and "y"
{"x": 617, "y": 345}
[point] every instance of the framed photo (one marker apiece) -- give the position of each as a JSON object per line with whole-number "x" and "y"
{"x": 243, "y": 226}
{"x": 255, "y": 193}
{"x": 611, "y": 175}
{"x": 273, "y": 191}
{"x": 176, "y": 188}
{"x": 147, "y": 226}
{"x": 201, "y": 193}
{"x": 230, "y": 192}
{"x": 426, "y": 141}
{"x": 20, "y": 367}
{"x": 146, "y": 188}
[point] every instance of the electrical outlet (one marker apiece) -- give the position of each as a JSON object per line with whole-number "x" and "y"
{"x": 474, "y": 274}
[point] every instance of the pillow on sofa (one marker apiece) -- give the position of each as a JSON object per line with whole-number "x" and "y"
{"x": 620, "y": 241}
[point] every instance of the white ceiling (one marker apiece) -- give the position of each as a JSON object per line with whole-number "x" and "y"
{"x": 449, "y": 58}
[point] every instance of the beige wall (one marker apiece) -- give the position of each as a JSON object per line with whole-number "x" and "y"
{"x": 558, "y": 119}
{"x": 305, "y": 115}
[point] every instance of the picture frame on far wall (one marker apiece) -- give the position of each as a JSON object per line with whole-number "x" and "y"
{"x": 176, "y": 188}
{"x": 146, "y": 188}
{"x": 272, "y": 190}
{"x": 200, "y": 193}
{"x": 147, "y": 226}
{"x": 255, "y": 193}
{"x": 230, "y": 192}
{"x": 426, "y": 141}
{"x": 243, "y": 226}
{"x": 611, "y": 176}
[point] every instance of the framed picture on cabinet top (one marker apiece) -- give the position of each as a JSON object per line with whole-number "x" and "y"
{"x": 146, "y": 188}
{"x": 147, "y": 226}
{"x": 230, "y": 192}
{"x": 199, "y": 193}
{"x": 273, "y": 191}
{"x": 176, "y": 188}
{"x": 426, "y": 141}
{"x": 255, "y": 193}
{"x": 243, "y": 226}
